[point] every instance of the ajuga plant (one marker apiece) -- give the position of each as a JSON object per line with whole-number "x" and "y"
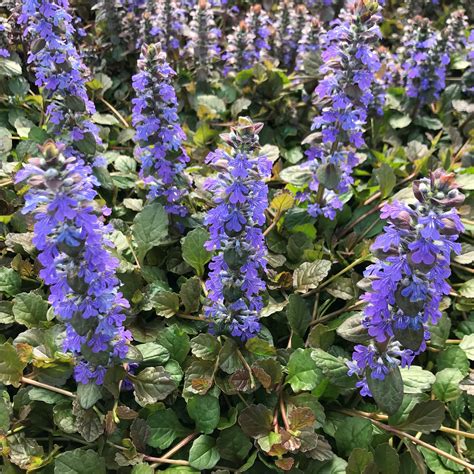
{"x": 240, "y": 50}
{"x": 309, "y": 44}
{"x": 59, "y": 69}
{"x": 343, "y": 97}
{"x": 235, "y": 283}
{"x": 4, "y": 41}
{"x": 408, "y": 280}
{"x": 170, "y": 25}
{"x": 286, "y": 37}
{"x": 425, "y": 54}
{"x": 72, "y": 242}
{"x": 203, "y": 40}
{"x": 159, "y": 136}
{"x": 258, "y": 24}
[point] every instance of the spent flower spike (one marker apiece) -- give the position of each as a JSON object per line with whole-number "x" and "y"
{"x": 159, "y": 136}
{"x": 73, "y": 243}
{"x": 408, "y": 280}
{"x": 235, "y": 225}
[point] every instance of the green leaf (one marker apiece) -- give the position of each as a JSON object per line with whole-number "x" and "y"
{"x": 259, "y": 347}
{"x": 398, "y": 120}
{"x": 5, "y": 140}
{"x": 240, "y": 104}
{"x": 359, "y": 460}
{"x": 203, "y": 453}
{"x": 298, "y": 313}
{"x": 10, "y": 281}
{"x": 388, "y": 393}
{"x": 164, "y": 428}
{"x": 153, "y": 354}
{"x": 310, "y": 274}
{"x": 88, "y": 394}
{"x": 150, "y": 228}
{"x": 199, "y": 378}
{"x": 89, "y": 425}
{"x": 194, "y": 252}
{"x": 332, "y": 367}
{"x": 209, "y": 107}
{"x": 416, "y": 380}
{"x": 176, "y": 341}
{"x": 353, "y": 433}
{"x": 446, "y": 386}
{"x": 233, "y": 445}
{"x": 190, "y": 293}
{"x": 152, "y": 384}
{"x": 296, "y": 175}
{"x": 425, "y": 417}
{"x": 79, "y": 461}
{"x": 387, "y": 459}
{"x": 256, "y": 420}
{"x": 166, "y": 303}
{"x": 431, "y": 123}
{"x": 30, "y": 310}
{"x": 303, "y": 372}
{"x": 205, "y": 346}
{"x": 440, "y": 332}
{"x": 386, "y": 179}
{"x": 11, "y": 367}
{"x": 87, "y": 145}
{"x": 205, "y": 411}
{"x": 453, "y": 358}
{"x": 467, "y": 345}
{"x": 9, "y": 68}
{"x": 352, "y": 329}
{"x": 142, "y": 468}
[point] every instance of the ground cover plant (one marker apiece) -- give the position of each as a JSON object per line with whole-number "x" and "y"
{"x": 236, "y": 236}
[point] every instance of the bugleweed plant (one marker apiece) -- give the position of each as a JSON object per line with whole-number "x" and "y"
{"x": 236, "y": 236}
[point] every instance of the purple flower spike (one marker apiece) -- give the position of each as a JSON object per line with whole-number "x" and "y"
{"x": 159, "y": 136}
{"x": 203, "y": 45}
{"x": 72, "y": 242}
{"x": 59, "y": 68}
{"x": 235, "y": 225}
{"x": 408, "y": 281}
{"x": 344, "y": 97}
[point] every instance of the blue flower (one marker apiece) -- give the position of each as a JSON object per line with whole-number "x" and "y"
{"x": 235, "y": 226}
{"x": 159, "y": 137}
{"x": 408, "y": 280}
{"x": 345, "y": 94}
{"x": 73, "y": 243}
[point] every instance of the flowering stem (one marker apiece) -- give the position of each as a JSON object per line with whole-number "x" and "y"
{"x": 247, "y": 368}
{"x": 176, "y": 448}
{"x": 47, "y": 387}
{"x": 403, "y": 435}
{"x": 115, "y": 112}
{"x": 336, "y": 276}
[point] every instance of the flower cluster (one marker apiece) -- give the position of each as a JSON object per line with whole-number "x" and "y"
{"x": 426, "y": 57}
{"x": 170, "y": 24}
{"x": 309, "y": 42}
{"x": 240, "y": 52}
{"x": 72, "y": 243}
{"x": 235, "y": 226}
{"x": 258, "y": 23}
{"x": 344, "y": 96}
{"x": 60, "y": 70}
{"x": 4, "y": 41}
{"x": 290, "y": 23}
{"x": 408, "y": 281}
{"x": 203, "y": 40}
{"x": 159, "y": 136}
